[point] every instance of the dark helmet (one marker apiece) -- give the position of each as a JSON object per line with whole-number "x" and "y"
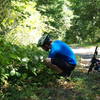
{"x": 45, "y": 39}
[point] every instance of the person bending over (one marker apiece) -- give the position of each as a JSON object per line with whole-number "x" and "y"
{"x": 61, "y": 58}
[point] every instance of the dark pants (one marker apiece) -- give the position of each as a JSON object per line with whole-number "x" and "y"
{"x": 64, "y": 66}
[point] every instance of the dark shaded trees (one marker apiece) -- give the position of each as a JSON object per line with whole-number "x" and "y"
{"x": 85, "y": 25}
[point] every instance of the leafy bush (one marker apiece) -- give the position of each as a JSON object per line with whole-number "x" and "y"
{"x": 19, "y": 62}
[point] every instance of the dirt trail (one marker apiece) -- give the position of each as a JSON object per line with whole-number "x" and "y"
{"x": 86, "y": 53}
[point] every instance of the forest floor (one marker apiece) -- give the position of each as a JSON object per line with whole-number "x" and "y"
{"x": 79, "y": 87}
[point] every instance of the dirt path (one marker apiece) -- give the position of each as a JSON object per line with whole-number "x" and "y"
{"x": 86, "y": 53}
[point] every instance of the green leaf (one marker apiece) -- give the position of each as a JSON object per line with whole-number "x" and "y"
{"x": 13, "y": 72}
{"x": 24, "y": 76}
{"x": 18, "y": 74}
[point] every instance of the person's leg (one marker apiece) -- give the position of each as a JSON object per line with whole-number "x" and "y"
{"x": 64, "y": 66}
{"x": 48, "y": 62}
{"x": 59, "y": 65}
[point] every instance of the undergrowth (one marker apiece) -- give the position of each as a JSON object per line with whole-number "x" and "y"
{"x": 23, "y": 76}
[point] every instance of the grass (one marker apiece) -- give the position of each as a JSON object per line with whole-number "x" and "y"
{"x": 48, "y": 87}
{"x": 81, "y": 87}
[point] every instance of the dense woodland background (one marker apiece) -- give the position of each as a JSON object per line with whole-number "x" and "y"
{"x": 22, "y": 23}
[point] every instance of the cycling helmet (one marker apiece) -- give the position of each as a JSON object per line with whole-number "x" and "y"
{"x": 45, "y": 39}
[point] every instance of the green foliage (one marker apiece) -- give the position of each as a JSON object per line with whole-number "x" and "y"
{"x": 4, "y": 10}
{"x": 85, "y": 27}
{"x": 22, "y": 23}
{"x": 53, "y": 17}
{"x": 58, "y": 15}
{"x": 22, "y": 72}
{"x": 19, "y": 62}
